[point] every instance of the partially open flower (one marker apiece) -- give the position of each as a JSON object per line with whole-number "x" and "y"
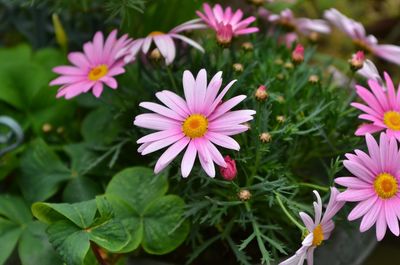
{"x": 227, "y": 24}
{"x": 261, "y": 93}
{"x": 357, "y": 61}
{"x": 298, "y": 54}
{"x": 265, "y": 137}
{"x": 229, "y": 172}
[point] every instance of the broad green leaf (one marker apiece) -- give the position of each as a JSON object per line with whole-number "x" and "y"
{"x": 80, "y": 156}
{"x": 81, "y": 189}
{"x": 100, "y": 127}
{"x": 70, "y": 241}
{"x": 152, "y": 219}
{"x": 162, "y": 232}
{"x": 81, "y": 214}
{"x": 73, "y": 226}
{"x": 9, "y": 235}
{"x": 34, "y": 247}
{"x": 137, "y": 186}
{"x": 14, "y": 209}
{"x": 42, "y": 172}
{"x": 8, "y": 163}
{"x": 49, "y": 57}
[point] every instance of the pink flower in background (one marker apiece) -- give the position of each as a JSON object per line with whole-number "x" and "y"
{"x": 374, "y": 185}
{"x": 369, "y": 71}
{"x": 164, "y": 42}
{"x": 382, "y": 108}
{"x": 229, "y": 172}
{"x": 318, "y": 230}
{"x": 295, "y": 26}
{"x": 93, "y": 68}
{"x": 357, "y": 61}
{"x": 226, "y": 23}
{"x": 356, "y": 32}
{"x": 298, "y": 54}
{"x": 198, "y": 122}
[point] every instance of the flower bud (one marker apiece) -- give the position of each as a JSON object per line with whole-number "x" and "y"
{"x": 60, "y": 130}
{"x": 280, "y": 99}
{"x": 248, "y": 125}
{"x": 265, "y": 137}
{"x": 47, "y": 127}
{"x": 280, "y": 76}
{"x": 298, "y": 54}
{"x": 261, "y": 93}
{"x": 244, "y": 195}
{"x": 229, "y": 172}
{"x": 313, "y": 37}
{"x": 280, "y": 119}
{"x": 155, "y": 55}
{"x": 247, "y": 46}
{"x": 237, "y": 67}
{"x": 278, "y": 61}
{"x": 288, "y": 65}
{"x": 357, "y": 61}
{"x": 313, "y": 79}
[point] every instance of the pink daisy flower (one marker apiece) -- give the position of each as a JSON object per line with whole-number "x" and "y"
{"x": 164, "y": 42}
{"x": 356, "y": 31}
{"x": 374, "y": 185}
{"x": 198, "y": 122}
{"x": 382, "y": 108}
{"x": 302, "y": 26}
{"x": 318, "y": 230}
{"x": 226, "y": 23}
{"x": 95, "y": 66}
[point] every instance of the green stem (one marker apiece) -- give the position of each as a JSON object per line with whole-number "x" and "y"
{"x": 172, "y": 79}
{"x": 278, "y": 198}
{"x": 314, "y": 186}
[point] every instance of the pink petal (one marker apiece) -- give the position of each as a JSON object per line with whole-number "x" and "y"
{"x": 226, "y": 106}
{"x": 213, "y": 88}
{"x": 307, "y": 220}
{"x": 159, "y": 135}
{"x": 166, "y": 46}
{"x": 356, "y": 195}
{"x": 69, "y": 70}
{"x": 157, "y": 108}
{"x": 174, "y": 102}
{"x": 200, "y": 91}
{"x": 370, "y": 217}
{"x": 219, "y": 97}
{"x": 222, "y": 140}
{"x": 367, "y": 128}
{"x": 160, "y": 144}
{"x": 388, "y": 52}
{"x": 188, "y": 88}
{"x": 215, "y": 154}
{"x": 352, "y": 183}
{"x": 79, "y": 59}
{"x": 97, "y": 89}
{"x": 362, "y": 208}
{"x": 155, "y": 122}
{"x": 170, "y": 154}
{"x": 381, "y": 225}
{"x": 188, "y": 159}
{"x": 205, "y": 157}
{"x": 391, "y": 219}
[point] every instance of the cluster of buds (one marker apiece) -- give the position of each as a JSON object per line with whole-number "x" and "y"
{"x": 298, "y": 54}
{"x": 357, "y": 61}
{"x": 261, "y": 93}
{"x": 229, "y": 172}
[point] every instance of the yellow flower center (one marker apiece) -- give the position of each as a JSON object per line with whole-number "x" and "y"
{"x": 318, "y": 234}
{"x": 98, "y": 72}
{"x": 195, "y": 126}
{"x": 155, "y": 33}
{"x": 392, "y": 120}
{"x": 385, "y": 185}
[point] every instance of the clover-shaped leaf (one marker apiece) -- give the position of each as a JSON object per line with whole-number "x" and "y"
{"x": 17, "y": 228}
{"x": 72, "y": 228}
{"x": 154, "y": 219}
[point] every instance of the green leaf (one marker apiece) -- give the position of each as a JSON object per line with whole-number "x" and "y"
{"x": 71, "y": 242}
{"x": 137, "y": 186}
{"x": 81, "y": 214}
{"x": 100, "y": 127}
{"x": 34, "y": 247}
{"x": 152, "y": 219}
{"x": 81, "y": 189}
{"x": 161, "y": 231}
{"x": 9, "y": 234}
{"x": 42, "y": 172}
{"x": 8, "y": 163}
{"x": 14, "y": 209}
{"x": 80, "y": 156}
{"x": 73, "y": 226}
